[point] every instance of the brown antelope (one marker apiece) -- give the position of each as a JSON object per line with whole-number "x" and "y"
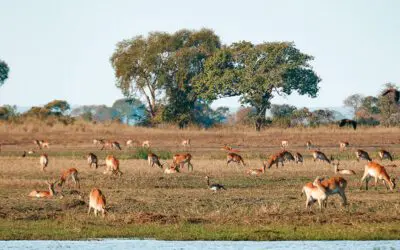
{"x": 284, "y": 144}
{"x": 146, "y": 144}
{"x": 318, "y": 155}
{"x": 363, "y": 155}
{"x": 373, "y": 169}
{"x": 41, "y": 144}
{"x": 287, "y": 156}
{"x": 98, "y": 141}
{"x": 173, "y": 169}
{"x": 274, "y": 159}
{"x": 111, "y": 145}
{"x": 71, "y": 173}
{"x": 309, "y": 145}
{"x": 97, "y": 201}
{"x": 336, "y": 185}
{"x": 342, "y": 171}
{"x": 298, "y": 158}
{"x": 255, "y": 171}
{"x": 92, "y": 160}
{"x": 112, "y": 165}
{"x": 44, "y": 194}
{"x": 214, "y": 186}
{"x": 44, "y": 161}
{"x": 186, "y": 143}
{"x": 233, "y": 157}
{"x": 315, "y": 191}
{"x": 383, "y": 154}
{"x": 343, "y": 145}
{"x": 230, "y": 149}
{"x": 153, "y": 159}
{"x": 181, "y": 159}
{"x": 130, "y": 143}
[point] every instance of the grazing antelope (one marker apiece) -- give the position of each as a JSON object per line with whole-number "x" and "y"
{"x": 92, "y": 159}
{"x": 318, "y": 155}
{"x": 284, "y": 144}
{"x": 298, "y": 158}
{"x": 146, "y": 144}
{"x": 287, "y": 156}
{"x": 130, "y": 143}
{"x": 230, "y": 149}
{"x": 173, "y": 169}
{"x": 363, "y": 155}
{"x": 153, "y": 159}
{"x": 112, "y": 165}
{"x": 342, "y": 171}
{"x": 233, "y": 157}
{"x": 343, "y": 145}
{"x": 373, "y": 169}
{"x": 181, "y": 159}
{"x": 71, "y": 173}
{"x": 111, "y": 145}
{"x": 274, "y": 159}
{"x": 44, "y": 194}
{"x": 315, "y": 191}
{"x": 383, "y": 154}
{"x": 255, "y": 171}
{"x": 44, "y": 161}
{"x": 97, "y": 201}
{"x": 215, "y": 186}
{"x": 336, "y": 185}
{"x": 186, "y": 143}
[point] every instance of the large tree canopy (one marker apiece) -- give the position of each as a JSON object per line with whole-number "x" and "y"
{"x": 4, "y": 69}
{"x": 256, "y": 73}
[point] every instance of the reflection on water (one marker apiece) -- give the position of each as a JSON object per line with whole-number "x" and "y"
{"x": 195, "y": 245}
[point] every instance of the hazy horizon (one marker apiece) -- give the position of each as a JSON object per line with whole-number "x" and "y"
{"x": 61, "y": 50}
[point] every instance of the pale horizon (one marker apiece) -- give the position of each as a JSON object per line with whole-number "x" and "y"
{"x": 61, "y": 50}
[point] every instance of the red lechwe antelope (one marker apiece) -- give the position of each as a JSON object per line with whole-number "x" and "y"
{"x": 98, "y": 141}
{"x": 92, "y": 159}
{"x": 112, "y": 165}
{"x": 373, "y": 169}
{"x": 298, "y": 158}
{"x": 111, "y": 145}
{"x": 274, "y": 159}
{"x": 173, "y": 169}
{"x": 363, "y": 155}
{"x": 97, "y": 201}
{"x": 233, "y": 157}
{"x": 315, "y": 192}
{"x": 186, "y": 143}
{"x": 146, "y": 144}
{"x": 342, "y": 171}
{"x": 72, "y": 174}
{"x": 343, "y": 145}
{"x": 284, "y": 144}
{"x": 44, "y": 194}
{"x": 318, "y": 155}
{"x": 181, "y": 159}
{"x": 44, "y": 161}
{"x": 230, "y": 149}
{"x": 334, "y": 185}
{"x": 383, "y": 154}
{"x": 130, "y": 143}
{"x": 153, "y": 159}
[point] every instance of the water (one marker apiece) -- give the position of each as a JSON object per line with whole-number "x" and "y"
{"x": 197, "y": 245}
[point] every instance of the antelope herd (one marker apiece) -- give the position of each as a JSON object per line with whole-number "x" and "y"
{"x": 317, "y": 191}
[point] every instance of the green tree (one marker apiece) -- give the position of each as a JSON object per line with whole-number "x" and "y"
{"x": 256, "y": 73}
{"x": 130, "y": 110}
{"x": 283, "y": 110}
{"x": 4, "y": 70}
{"x": 57, "y": 107}
{"x": 354, "y": 102}
{"x": 7, "y": 112}
{"x": 388, "y": 107}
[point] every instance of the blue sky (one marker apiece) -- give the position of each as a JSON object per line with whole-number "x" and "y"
{"x": 61, "y": 49}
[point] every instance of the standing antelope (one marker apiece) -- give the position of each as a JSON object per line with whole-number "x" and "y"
{"x": 44, "y": 194}
{"x": 112, "y": 165}
{"x": 373, "y": 169}
{"x": 363, "y": 155}
{"x": 383, "y": 154}
{"x": 153, "y": 159}
{"x": 343, "y": 145}
{"x": 71, "y": 173}
{"x": 309, "y": 145}
{"x": 233, "y": 157}
{"x": 186, "y": 143}
{"x": 181, "y": 159}
{"x": 342, "y": 171}
{"x": 298, "y": 158}
{"x": 274, "y": 159}
{"x": 41, "y": 144}
{"x": 146, "y": 144}
{"x": 336, "y": 185}
{"x": 97, "y": 201}
{"x": 111, "y": 145}
{"x": 130, "y": 143}
{"x": 92, "y": 159}
{"x": 44, "y": 161}
{"x": 284, "y": 144}
{"x": 318, "y": 155}
{"x": 315, "y": 191}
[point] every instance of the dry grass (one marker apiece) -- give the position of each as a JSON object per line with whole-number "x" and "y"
{"x": 145, "y": 196}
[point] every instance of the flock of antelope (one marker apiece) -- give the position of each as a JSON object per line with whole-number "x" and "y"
{"x": 316, "y": 191}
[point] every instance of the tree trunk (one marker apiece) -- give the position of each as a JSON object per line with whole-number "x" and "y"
{"x": 260, "y": 120}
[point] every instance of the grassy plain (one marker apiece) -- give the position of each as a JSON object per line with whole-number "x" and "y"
{"x": 146, "y": 203}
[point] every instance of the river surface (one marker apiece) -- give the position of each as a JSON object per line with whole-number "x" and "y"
{"x": 197, "y": 245}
